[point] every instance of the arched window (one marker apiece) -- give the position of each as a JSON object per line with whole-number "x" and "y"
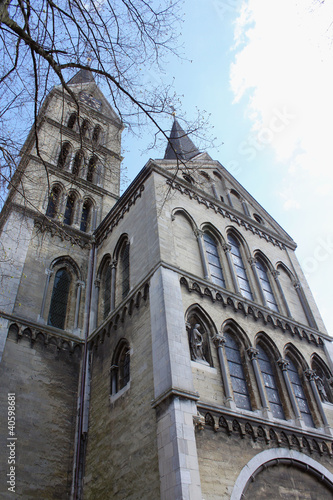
{"x": 271, "y": 387}
{"x": 266, "y": 286}
{"x": 77, "y": 163}
{"x": 64, "y": 155}
{"x": 299, "y": 393}
{"x": 85, "y": 128}
{"x": 53, "y": 203}
{"x": 69, "y": 211}
{"x": 59, "y": 299}
{"x": 85, "y": 216}
{"x": 236, "y": 371}
{"x": 107, "y": 289}
{"x": 125, "y": 270}
{"x": 120, "y": 369}
{"x": 213, "y": 258}
{"x": 72, "y": 120}
{"x": 91, "y": 168}
{"x": 96, "y": 134}
{"x": 240, "y": 271}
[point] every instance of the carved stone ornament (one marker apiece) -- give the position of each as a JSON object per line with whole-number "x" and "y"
{"x": 252, "y": 352}
{"x": 219, "y": 340}
{"x": 199, "y": 421}
{"x": 283, "y": 364}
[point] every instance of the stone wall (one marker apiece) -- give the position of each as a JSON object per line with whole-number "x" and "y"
{"x": 45, "y": 382}
{"x": 222, "y": 458}
{"x": 121, "y": 459}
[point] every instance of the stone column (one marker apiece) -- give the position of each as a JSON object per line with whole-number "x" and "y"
{"x": 77, "y": 213}
{"x": 214, "y": 190}
{"x": 253, "y": 355}
{"x": 227, "y": 249}
{"x": 199, "y": 236}
{"x": 305, "y": 305}
{"x": 229, "y": 199}
{"x": 281, "y": 292}
{"x": 94, "y": 303}
{"x": 283, "y": 364}
{"x": 80, "y": 285}
{"x": 245, "y": 208}
{"x": 49, "y": 273}
{"x": 114, "y": 376}
{"x": 219, "y": 342}
{"x": 311, "y": 375}
{"x": 113, "y": 285}
{"x": 253, "y": 265}
{"x": 93, "y": 218}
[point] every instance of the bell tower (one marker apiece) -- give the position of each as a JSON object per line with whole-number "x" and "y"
{"x": 67, "y": 181}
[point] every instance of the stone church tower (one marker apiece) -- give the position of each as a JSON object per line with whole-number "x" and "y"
{"x": 166, "y": 345}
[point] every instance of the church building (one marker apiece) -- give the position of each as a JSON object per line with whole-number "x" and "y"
{"x": 162, "y": 344}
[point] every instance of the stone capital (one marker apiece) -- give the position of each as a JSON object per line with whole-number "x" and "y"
{"x": 283, "y": 364}
{"x": 310, "y": 374}
{"x": 49, "y": 272}
{"x": 197, "y": 233}
{"x": 226, "y": 247}
{"x": 97, "y": 282}
{"x": 276, "y": 274}
{"x": 219, "y": 340}
{"x": 252, "y": 261}
{"x": 252, "y": 353}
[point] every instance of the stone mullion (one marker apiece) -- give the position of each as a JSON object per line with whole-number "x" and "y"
{"x": 94, "y": 302}
{"x": 199, "y": 236}
{"x": 281, "y": 292}
{"x": 227, "y": 249}
{"x": 77, "y": 305}
{"x": 305, "y": 305}
{"x": 114, "y": 377}
{"x": 283, "y": 363}
{"x": 113, "y": 285}
{"x": 214, "y": 190}
{"x": 219, "y": 342}
{"x": 310, "y": 375}
{"x": 253, "y": 353}
{"x": 245, "y": 208}
{"x": 49, "y": 273}
{"x": 253, "y": 265}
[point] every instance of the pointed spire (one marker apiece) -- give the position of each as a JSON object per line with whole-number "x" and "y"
{"x": 82, "y": 76}
{"x": 182, "y": 146}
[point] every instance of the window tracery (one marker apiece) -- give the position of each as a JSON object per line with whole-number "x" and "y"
{"x": 59, "y": 299}
{"x": 240, "y": 271}
{"x": 236, "y": 372}
{"x": 53, "y": 202}
{"x": 213, "y": 259}
{"x": 64, "y": 154}
{"x": 120, "y": 369}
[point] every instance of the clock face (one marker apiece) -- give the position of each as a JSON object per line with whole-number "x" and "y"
{"x": 90, "y": 100}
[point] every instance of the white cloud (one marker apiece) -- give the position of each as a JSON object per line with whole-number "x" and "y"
{"x": 283, "y": 61}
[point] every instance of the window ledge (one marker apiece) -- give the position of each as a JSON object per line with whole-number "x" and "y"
{"x": 120, "y": 393}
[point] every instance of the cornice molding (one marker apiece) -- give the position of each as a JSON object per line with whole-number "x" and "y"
{"x": 268, "y": 433}
{"x": 43, "y": 225}
{"x": 117, "y": 213}
{"x": 240, "y": 221}
{"x": 126, "y": 308}
{"x": 35, "y": 332}
{"x": 240, "y": 305}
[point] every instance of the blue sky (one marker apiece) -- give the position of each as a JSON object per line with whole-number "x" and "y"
{"x": 262, "y": 70}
